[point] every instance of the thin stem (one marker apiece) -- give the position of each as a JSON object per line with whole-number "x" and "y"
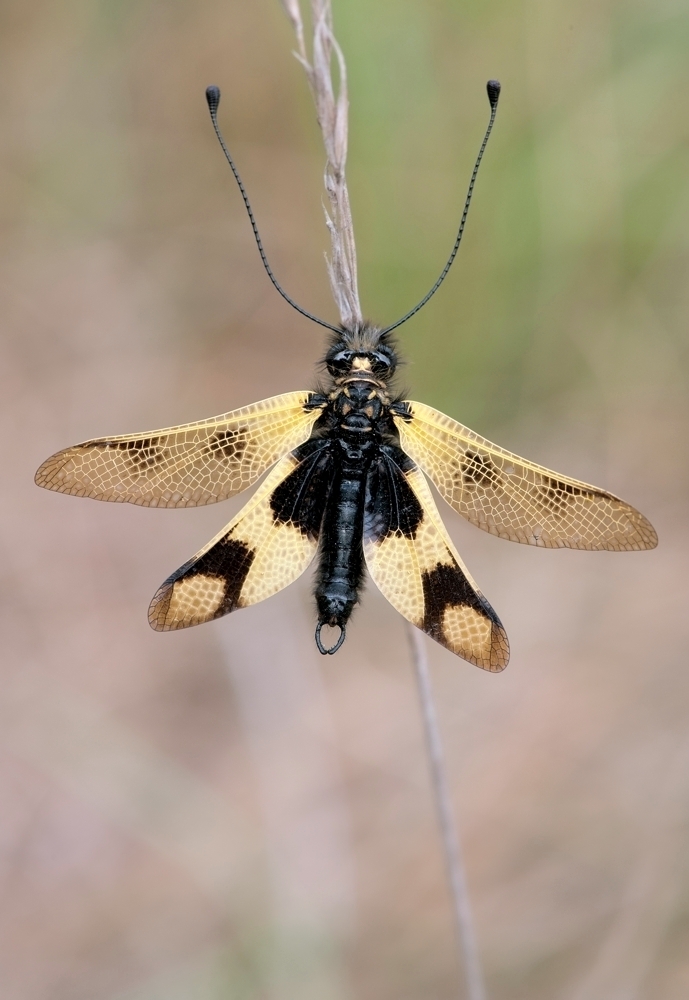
{"x": 466, "y": 937}
{"x": 332, "y": 113}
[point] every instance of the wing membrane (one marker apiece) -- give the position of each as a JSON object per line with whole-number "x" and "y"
{"x": 264, "y": 548}
{"x": 412, "y": 560}
{"x": 185, "y": 466}
{"x": 513, "y": 498}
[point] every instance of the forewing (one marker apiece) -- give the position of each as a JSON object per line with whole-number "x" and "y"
{"x": 186, "y": 466}
{"x": 513, "y": 498}
{"x": 412, "y": 560}
{"x": 264, "y": 548}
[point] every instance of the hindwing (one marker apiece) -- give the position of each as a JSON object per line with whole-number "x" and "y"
{"x": 185, "y": 466}
{"x": 412, "y": 560}
{"x": 264, "y": 548}
{"x": 513, "y": 498}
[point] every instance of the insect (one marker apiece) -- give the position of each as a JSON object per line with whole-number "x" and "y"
{"x": 347, "y": 484}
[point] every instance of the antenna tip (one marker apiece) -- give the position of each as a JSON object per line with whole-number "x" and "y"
{"x": 213, "y": 98}
{"x": 493, "y": 88}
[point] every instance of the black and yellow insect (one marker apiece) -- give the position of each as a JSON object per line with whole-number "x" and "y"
{"x": 347, "y": 483}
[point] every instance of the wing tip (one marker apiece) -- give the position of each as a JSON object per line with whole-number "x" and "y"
{"x": 48, "y": 474}
{"x": 476, "y": 636}
{"x": 647, "y": 533}
{"x": 495, "y": 655}
{"x": 45, "y": 473}
{"x": 158, "y": 609}
{"x": 499, "y": 649}
{"x": 637, "y": 534}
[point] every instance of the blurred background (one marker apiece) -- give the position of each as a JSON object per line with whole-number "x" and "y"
{"x": 222, "y": 813}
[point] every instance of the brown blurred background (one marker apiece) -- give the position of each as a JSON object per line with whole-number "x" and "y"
{"x": 223, "y": 814}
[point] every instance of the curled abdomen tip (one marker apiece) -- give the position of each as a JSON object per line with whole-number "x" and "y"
{"x": 332, "y": 649}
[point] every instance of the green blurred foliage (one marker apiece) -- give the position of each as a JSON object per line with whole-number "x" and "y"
{"x": 575, "y": 243}
{"x": 572, "y": 262}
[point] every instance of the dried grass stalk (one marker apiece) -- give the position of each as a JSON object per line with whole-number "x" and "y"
{"x": 464, "y": 921}
{"x": 332, "y": 111}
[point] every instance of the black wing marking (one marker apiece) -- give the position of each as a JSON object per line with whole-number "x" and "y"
{"x": 412, "y": 560}
{"x": 264, "y": 548}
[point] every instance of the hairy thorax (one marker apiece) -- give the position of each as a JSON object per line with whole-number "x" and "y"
{"x": 358, "y": 418}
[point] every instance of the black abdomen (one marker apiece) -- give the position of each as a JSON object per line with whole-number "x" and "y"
{"x": 341, "y": 568}
{"x": 356, "y": 425}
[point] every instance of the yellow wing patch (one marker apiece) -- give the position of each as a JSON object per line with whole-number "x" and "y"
{"x": 513, "y": 498}
{"x": 253, "y": 557}
{"x": 186, "y": 466}
{"x": 264, "y": 548}
{"x": 416, "y": 567}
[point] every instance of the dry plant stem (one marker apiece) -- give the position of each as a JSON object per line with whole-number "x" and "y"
{"x": 466, "y": 938}
{"x": 332, "y": 110}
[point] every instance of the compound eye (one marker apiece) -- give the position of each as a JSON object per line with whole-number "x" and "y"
{"x": 380, "y": 364}
{"x": 340, "y": 362}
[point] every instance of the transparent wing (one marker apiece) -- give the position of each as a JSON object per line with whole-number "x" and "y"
{"x": 413, "y": 562}
{"x": 513, "y": 498}
{"x": 264, "y": 548}
{"x": 185, "y": 466}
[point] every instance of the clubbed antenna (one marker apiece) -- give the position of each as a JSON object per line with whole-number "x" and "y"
{"x": 493, "y": 89}
{"x": 213, "y": 99}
